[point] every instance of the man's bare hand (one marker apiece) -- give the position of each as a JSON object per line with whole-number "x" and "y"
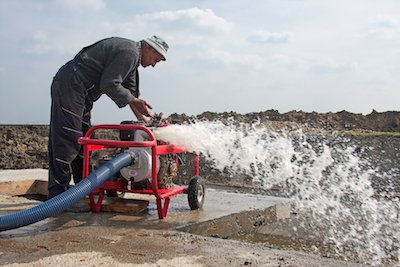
{"x": 140, "y": 108}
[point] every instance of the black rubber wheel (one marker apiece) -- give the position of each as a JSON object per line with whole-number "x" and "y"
{"x": 110, "y": 193}
{"x": 196, "y": 193}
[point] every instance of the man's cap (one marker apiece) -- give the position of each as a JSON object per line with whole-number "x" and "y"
{"x": 158, "y": 44}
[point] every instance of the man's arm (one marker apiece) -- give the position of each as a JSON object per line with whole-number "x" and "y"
{"x": 116, "y": 71}
{"x": 132, "y": 83}
{"x": 140, "y": 108}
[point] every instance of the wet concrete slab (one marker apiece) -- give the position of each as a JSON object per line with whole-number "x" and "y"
{"x": 219, "y": 202}
{"x": 185, "y": 237}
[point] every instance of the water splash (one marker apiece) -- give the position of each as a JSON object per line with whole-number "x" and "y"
{"x": 325, "y": 177}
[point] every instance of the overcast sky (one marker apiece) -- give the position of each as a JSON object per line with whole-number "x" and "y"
{"x": 242, "y": 56}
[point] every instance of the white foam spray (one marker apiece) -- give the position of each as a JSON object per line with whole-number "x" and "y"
{"x": 325, "y": 179}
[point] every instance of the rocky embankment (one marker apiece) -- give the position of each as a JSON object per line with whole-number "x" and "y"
{"x": 375, "y": 121}
{"x": 25, "y": 146}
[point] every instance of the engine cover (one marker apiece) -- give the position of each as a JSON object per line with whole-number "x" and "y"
{"x": 142, "y": 166}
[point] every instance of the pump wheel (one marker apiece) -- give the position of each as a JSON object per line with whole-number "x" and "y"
{"x": 196, "y": 193}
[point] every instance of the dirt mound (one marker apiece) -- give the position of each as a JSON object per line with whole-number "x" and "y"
{"x": 375, "y": 121}
{"x": 25, "y": 146}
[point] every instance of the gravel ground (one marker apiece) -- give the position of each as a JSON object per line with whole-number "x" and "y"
{"x": 82, "y": 239}
{"x": 76, "y": 245}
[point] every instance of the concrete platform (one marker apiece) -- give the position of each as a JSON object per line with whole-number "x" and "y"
{"x": 184, "y": 238}
{"x": 219, "y": 202}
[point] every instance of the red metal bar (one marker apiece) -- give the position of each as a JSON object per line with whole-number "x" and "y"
{"x": 164, "y": 193}
{"x": 165, "y": 209}
{"x": 173, "y": 191}
{"x": 120, "y": 127}
{"x": 85, "y": 167}
{"x": 169, "y": 149}
{"x": 196, "y": 165}
{"x": 162, "y": 209}
{"x": 113, "y": 185}
{"x": 95, "y": 206}
{"x": 101, "y": 143}
{"x": 154, "y": 180}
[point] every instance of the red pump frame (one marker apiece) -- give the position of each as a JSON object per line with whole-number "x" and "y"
{"x": 121, "y": 186}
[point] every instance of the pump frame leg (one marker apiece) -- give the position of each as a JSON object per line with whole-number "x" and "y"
{"x": 95, "y": 206}
{"x": 162, "y": 209}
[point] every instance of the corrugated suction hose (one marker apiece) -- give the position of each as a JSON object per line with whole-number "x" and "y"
{"x": 67, "y": 198}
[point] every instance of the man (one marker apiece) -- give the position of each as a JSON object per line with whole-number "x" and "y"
{"x": 109, "y": 67}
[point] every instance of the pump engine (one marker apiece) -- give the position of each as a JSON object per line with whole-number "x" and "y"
{"x": 139, "y": 172}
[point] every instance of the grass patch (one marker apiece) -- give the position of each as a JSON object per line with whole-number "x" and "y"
{"x": 367, "y": 133}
